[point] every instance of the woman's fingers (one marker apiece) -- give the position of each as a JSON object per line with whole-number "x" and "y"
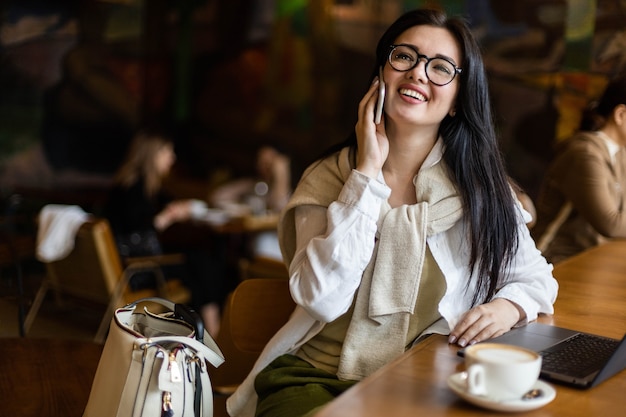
{"x": 373, "y": 146}
{"x": 485, "y": 322}
{"x": 366, "y": 105}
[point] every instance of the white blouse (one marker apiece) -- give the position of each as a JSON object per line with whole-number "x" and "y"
{"x": 334, "y": 246}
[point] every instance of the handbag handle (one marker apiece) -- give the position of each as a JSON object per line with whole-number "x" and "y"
{"x": 182, "y": 311}
{"x": 206, "y": 346}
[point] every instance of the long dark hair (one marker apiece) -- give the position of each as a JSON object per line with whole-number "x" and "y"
{"x": 471, "y": 152}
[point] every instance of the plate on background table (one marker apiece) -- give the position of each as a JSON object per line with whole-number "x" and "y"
{"x": 215, "y": 217}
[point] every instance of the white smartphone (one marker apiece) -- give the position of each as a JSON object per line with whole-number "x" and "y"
{"x": 381, "y": 97}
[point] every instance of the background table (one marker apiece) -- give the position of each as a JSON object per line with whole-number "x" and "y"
{"x": 592, "y": 297}
{"x": 46, "y": 377}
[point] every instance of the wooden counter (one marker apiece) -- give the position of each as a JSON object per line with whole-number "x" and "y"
{"x": 592, "y": 297}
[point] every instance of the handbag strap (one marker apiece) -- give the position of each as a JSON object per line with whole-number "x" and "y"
{"x": 208, "y": 347}
{"x": 214, "y": 358}
{"x": 203, "y": 395}
{"x": 203, "y": 401}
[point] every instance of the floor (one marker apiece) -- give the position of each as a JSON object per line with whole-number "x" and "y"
{"x": 72, "y": 320}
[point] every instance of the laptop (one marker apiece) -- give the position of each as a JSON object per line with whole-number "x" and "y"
{"x": 570, "y": 357}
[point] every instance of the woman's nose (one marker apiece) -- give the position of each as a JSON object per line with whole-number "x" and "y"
{"x": 418, "y": 72}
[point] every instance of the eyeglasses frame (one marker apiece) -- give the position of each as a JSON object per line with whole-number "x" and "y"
{"x": 393, "y": 47}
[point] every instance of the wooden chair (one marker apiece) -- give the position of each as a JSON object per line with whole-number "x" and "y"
{"x": 94, "y": 272}
{"x": 253, "y": 313}
{"x": 259, "y": 307}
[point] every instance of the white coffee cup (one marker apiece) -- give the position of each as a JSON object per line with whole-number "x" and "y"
{"x": 501, "y": 372}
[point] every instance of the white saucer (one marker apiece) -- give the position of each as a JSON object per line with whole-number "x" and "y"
{"x": 457, "y": 383}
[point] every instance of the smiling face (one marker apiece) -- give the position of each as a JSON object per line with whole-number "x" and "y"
{"x": 411, "y": 98}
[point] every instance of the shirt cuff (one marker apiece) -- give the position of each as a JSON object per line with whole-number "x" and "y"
{"x": 364, "y": 193}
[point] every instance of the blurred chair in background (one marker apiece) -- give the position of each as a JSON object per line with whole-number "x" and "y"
{"x": 93, "y": 272}
{"x": 262, "y": 267}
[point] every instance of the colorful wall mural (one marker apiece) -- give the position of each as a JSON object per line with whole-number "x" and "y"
{"x": 228, "y": 75}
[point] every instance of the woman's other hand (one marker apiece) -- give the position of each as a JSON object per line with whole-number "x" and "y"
{"x": 486, "y": 321}
{"x": 176, "y": 211}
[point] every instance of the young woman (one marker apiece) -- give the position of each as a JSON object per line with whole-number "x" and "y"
{"x": 582, "y": 198}
{"x": 410, "y": 228}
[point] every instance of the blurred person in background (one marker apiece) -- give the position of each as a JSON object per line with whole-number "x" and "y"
{"x": 581, "y": 201}
{"x": 268, "y": 192}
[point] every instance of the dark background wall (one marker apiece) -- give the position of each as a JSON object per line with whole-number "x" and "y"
{"x": 77, "y": 78}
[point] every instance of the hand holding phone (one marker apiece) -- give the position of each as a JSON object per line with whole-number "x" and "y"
{"x": 381, "y": 97}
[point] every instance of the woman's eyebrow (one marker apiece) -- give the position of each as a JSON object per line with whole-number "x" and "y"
{"x": 447, "y": 58}
{"x": 434, "y": 56}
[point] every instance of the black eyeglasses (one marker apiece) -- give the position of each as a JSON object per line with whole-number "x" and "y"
{"x": 439, "y": 71}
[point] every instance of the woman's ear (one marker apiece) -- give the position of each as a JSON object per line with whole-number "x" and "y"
{"x": 619, "y": 114}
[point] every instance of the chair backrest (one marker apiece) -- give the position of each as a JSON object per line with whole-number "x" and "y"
{"x": 93, "y": 269}
{"x": 262, "y": 267}
{"x": 252, "y": 314}
{"x": 258, "y": 308}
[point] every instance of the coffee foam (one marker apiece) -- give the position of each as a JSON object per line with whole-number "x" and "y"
{"x": 502, "y": 354}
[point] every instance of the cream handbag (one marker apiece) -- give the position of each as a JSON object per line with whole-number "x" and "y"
{"x": 153, "y": 365}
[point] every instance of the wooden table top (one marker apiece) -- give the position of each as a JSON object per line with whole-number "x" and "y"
{"x": 248, "y": 224}
{"x": 592, "y": 297}
{"x": 46, "y": 377}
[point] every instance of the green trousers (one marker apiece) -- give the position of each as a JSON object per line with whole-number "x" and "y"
{"x": 292, "y": 387}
